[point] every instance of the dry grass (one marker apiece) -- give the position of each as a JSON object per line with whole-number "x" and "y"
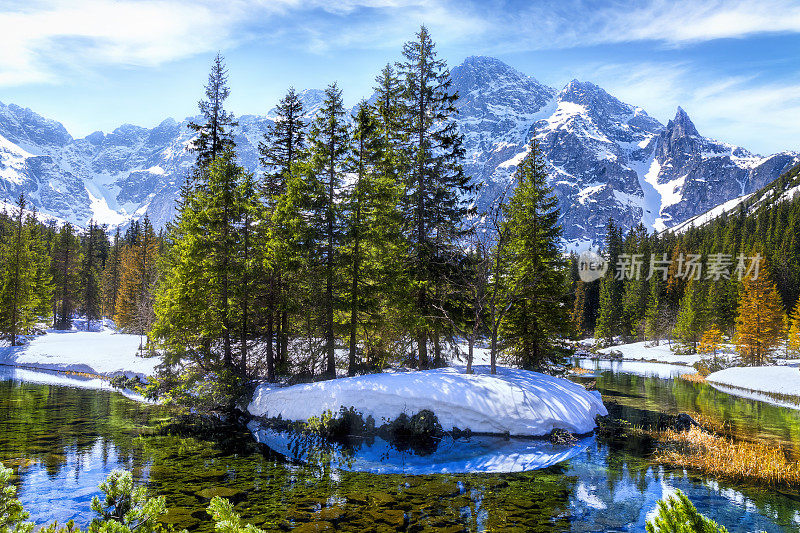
{"x": 579, "y": 370}
{"x": 694, "y": 378}
{"x": 722, "y": 456}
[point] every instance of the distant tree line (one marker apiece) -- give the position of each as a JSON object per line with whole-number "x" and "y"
{"x": 53, "y": 272}
{"x": 759, "y": 315}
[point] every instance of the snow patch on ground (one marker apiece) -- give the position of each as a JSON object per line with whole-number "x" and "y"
{"x": 519, "y": 402}
{"x": 93, "y": 352}
{"x": 642, "y": 351}
{"x": 772, "y": 379}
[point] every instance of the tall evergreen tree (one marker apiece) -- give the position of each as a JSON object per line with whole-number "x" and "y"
{"x": 280, "y": 149}
{"x": 328, "y": 147}
{"x": 438, "y": 191}
{"x": 538, "y": 314}
{"x": 215, "y": 135}
{"x": 65, "y": 266}
{"x": 90, "y": 273}
{"x": 374, "y": 249}
{"x": 609, "y": 321}
{"x": 16, "y": 284}
{"x": 693, "y": 314}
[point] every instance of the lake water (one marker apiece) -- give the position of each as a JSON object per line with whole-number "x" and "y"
{"x": 62, "y": 441}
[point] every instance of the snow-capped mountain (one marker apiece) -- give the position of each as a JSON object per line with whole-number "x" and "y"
{"x": 606, "y": 158}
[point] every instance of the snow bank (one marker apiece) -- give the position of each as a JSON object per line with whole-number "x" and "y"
{"x": 772, "y": 379}
{"x": 642, "y": 352}
{"x": 102, "y": 352}
{"x": 515, "y": 401}
{"x": 59, "y": 379}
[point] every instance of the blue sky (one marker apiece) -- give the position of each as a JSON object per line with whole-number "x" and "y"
{"x": 95, "y": 64}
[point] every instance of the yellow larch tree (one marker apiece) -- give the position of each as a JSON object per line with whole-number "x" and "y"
{"x": 711, "y": 341}
{"x": 793, "y": 342}
{"x": 760, "y": 324}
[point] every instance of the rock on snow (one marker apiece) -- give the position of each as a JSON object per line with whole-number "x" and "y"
{"x": 519, "y": 402}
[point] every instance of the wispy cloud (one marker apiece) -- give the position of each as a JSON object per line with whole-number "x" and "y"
{"x": 44, "y": 41}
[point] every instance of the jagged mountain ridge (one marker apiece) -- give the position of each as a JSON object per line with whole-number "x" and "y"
{"x": 606, "y": 158}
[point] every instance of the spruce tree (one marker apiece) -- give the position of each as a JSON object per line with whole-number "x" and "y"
{"x": 279, "y": 150}
{"x": 538, "y": 315}
{"x": 196, "y": 308}
{"x": 328, "y": 146}
{"x": 693, "y": 315}
{"x": 111, "y": 276}
{"x": 374, "y": 250}
{"x": 793, "y": 340}
{"x": 610, "y": 316}
{"x": 65, "y": 267}
{"x": 438, "y": 193}
{"x": 215, "y": 135}
{"x": 16, "y": 284}
{"x": 90, "y": 273}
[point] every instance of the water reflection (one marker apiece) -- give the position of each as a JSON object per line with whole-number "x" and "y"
{"x": 464, "y": 455}
{"x": 63, "y": 441}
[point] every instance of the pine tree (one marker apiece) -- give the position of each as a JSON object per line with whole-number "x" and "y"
{"x": 438, "y": 191}
{"x": 90, "y": 274}
{"x": 65, "y": 267}
{"x": 111, "y": 277}
{"x": 40, "y": 241}
{"x": 578, "y": 315}
{"x": 329, "y": 142}
{"x": 538, "y": 314}
{"x": 17, "y": 289}
{"x": 760, "y": 324}
{"x": 652, "y": 329}
{"x": 610, "y": 317}
{"x": 374, "y": 251}
{"x": 195, "y": 306}
{"x": 282, "y": 145}
{"x": 676, "y": 514}
{"x": 215, "y": 135}
{"x": 693, "y": 315}
{"x": 280, "y": 149}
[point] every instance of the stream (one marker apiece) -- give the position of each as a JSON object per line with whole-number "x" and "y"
{"x": 63, "y": 440}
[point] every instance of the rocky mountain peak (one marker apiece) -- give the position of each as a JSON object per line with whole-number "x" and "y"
{"x": 22, "y": 126}
{"x": 682, "y": 125}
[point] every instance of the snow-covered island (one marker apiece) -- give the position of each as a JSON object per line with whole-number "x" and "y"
{"x": 516, "y": 402}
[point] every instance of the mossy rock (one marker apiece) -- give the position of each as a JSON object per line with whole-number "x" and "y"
{"x": 310, "y": 527}
{"x": 330, "y": 514}
{"x": 222, "y": 492}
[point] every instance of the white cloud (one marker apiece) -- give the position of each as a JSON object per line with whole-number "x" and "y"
{"x": 557, "y": 24}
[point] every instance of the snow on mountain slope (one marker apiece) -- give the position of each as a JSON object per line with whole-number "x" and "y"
{"x": 607, "y": 159}
{"x": 786, "y": 188}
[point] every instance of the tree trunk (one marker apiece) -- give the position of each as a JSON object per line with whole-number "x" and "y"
{"x": 329, "y": 338}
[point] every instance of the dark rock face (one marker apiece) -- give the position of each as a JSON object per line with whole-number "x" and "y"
{"x": 607, "y": 159}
